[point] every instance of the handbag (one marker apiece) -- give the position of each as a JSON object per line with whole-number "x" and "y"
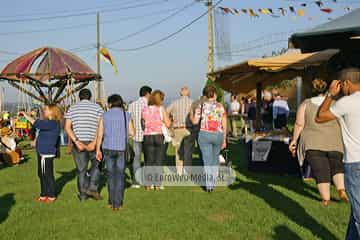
{"x": 168, "y": 135}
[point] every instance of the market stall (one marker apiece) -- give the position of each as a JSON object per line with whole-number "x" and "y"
{"x": 268, "y": 151}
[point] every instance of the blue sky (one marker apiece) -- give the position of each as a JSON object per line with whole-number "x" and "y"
{"x": 180, "y": 61}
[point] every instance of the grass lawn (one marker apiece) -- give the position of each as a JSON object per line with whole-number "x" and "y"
{"x": 257, "y": 206}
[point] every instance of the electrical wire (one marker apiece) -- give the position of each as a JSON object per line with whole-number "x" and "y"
{"x": 255, "y": 47}
{"x": 71, "y": 10}
{"x": 148, "y": 27}
{"x": 80, "y": 14}
{"x": 81, "y": 26}
{"x": 169, "y": 36}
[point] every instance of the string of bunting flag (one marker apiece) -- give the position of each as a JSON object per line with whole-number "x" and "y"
{"x": 281, "y": 11}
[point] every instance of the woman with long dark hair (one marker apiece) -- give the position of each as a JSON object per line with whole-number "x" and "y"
{"x": 112, "y": 139}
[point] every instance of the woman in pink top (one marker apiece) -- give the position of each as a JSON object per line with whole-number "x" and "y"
{"x": 154, "y": 117}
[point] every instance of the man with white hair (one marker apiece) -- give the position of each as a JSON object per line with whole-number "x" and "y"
{"x": 179, "y": 111}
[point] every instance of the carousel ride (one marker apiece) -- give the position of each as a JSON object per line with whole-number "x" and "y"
{"x": 46, "y": 76}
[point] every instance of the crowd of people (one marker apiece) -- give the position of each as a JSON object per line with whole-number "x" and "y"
{"x": 103, "y": 134}
{"x": 326, "y": 137}
{"x": 274, "y": 110}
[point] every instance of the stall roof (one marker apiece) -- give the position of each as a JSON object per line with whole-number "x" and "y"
{"x": 243, "y": 77}
{"x": 341, "y": 33}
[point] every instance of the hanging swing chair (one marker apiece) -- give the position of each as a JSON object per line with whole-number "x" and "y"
{"x": 52, "y": 75}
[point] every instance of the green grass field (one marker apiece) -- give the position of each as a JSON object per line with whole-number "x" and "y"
{"x": 257, "y": 206}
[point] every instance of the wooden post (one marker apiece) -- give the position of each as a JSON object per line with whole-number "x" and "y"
{"x": 210, "y": 37}
{"x": 98, "y": 88}
{"x": 258, "y": 105}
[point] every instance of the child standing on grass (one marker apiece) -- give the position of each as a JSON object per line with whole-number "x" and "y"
{"x": 46, "y": 149}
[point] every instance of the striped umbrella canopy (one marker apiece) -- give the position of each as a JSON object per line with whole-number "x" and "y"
{"x": 46, "y": 64}
{"x": 48, "y": 70}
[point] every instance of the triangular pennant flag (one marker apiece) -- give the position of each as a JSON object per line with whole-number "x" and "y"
{"x": 244, "y": 10}
{"x": 301, "y": 12}
{"x": 222, "y": 9}
{"x": 226, "y": 10}
{"x": 237, "y": 12}
{"x": 347, "y": 9}
{"x": 303, "y": 4}
{"x": 264, "y": 11}
{"x": 292, "y": 9}
{"x": 252, "y": 13}
{"x": 326, "y": 10}
{"x": 106, "y": 56}
{"x": 283, "y": 11}
{"x": 271, "y": 11}
{"x": 319, "y": 3}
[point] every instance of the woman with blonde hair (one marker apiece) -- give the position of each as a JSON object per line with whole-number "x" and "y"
{"x": 154, "y": 119}
{"x": 320, "y": 145}
{"x": 47, "y": 148}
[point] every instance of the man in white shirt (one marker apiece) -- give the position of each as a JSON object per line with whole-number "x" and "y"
{"x": 135, "y": 110}
{"x": 346, "y": 110}
{"x": 234, "y": 114}
{"x": 280, "y": 112}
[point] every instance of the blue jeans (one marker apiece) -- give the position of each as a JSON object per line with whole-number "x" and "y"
{"x": 210, "y": 146}
{"x": 115, "y": 165}
{"x": 136, "y": 163}
{"x": 87, "y": 178}
{"x": 352, "y": 185}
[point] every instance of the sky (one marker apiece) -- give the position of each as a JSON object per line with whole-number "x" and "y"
{"x": 176, "y": 62}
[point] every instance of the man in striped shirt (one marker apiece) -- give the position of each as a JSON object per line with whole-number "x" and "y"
{"x": 179, "y": 111}
{"x": 82, "y": 121}
{"x": 135, "y": 110}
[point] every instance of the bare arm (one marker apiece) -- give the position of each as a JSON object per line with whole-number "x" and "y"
{"x": 194, "y": 118}
{"x": 69, "y": 131}
{"x": 324, "y": 114}
{"x": 166, "y": 119}
{"x": 300, "y": 122}
{"x": 100, "y": 135}
{"x": 132, "y": 130}
{"x": 224, "y": 127}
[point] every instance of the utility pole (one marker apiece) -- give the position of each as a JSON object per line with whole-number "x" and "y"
{"x": 98, "y": 83}
{"x": 210, "y": 37}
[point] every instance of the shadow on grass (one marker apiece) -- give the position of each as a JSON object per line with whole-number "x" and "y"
{"x": 260, "y": 186}
{"x": 64, "y": 179}
{"x": 7, "y": 201}
{"x": 283, "y": 233}
{"x": 287, "y": 206}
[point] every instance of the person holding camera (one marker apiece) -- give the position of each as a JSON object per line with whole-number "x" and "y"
{"x": 346, "y": 111}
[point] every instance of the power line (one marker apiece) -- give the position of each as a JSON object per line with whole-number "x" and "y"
{"x": 81, "y": 14}
{"x": 254, "y": 47}
{"x": 153, "y": 24}
{"x": 86, "y": 25}
{"x": 168, "y": 36}
{"x": 71, "y": 10}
